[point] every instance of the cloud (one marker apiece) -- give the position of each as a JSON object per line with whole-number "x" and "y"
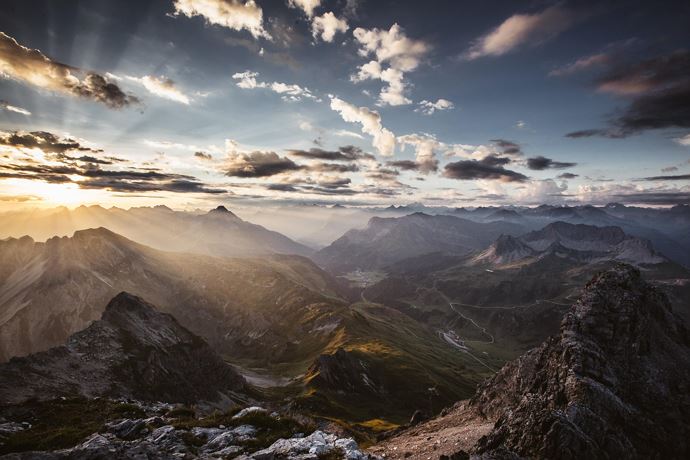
{"x": 522, "y": 29}
{"x": 257, "y": 164}
{"x": 162, "y": 87}
{"x": 666, "y": 178}
{"x": 45, "y": 141}
{"x": 233, "y": 14}
{"x": 425, "y": 151}
{"x": 542, "y": 191}
{"x": 333, "y": 168}
{"x": 428, "y": 107}
{"x": 541, "y": 163}
{"x": 308, "y": 6}
{"x": 660, "y": 92}
{"x": 32, "y": 67}
{"x": 520, "y": 124}
{"x": 581, "y": 64}
{"x": 685, "y": 140}
{"x": 481, "y": 169}
{"x": 20, "y": 198}
{"x": 384, "y": 140}
{"x": 288, "y": 92}
{"x": 345, "y": 153}
{"x": 11, "y": 108}
{"x": 567, "y": 175}
{"x": 405, "y": 165}
{"x": 394, "y": 55}
{"x": 57, "y": 164}
{"x": 346, "y": 133}
{"x": 327, "y": 25}
{"x": 655, "y": 198}
{"x": 508, "y": 147}
{"x": 203, "y": 156}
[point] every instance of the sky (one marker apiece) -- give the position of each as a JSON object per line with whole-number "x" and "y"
{"x": 192, "y": 103}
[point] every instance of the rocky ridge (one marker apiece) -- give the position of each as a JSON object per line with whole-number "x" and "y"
{"x": 613, "y": 384}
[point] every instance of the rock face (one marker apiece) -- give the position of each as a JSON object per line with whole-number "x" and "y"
{"x": 599, "y": 242}
{"x": 615, "y": 383}
{"x": 133, "y": 351}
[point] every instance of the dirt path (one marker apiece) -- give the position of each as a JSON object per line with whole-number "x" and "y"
{"x": 458, "y": 430}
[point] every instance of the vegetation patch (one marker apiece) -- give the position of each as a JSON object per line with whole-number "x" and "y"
{"x": 61, "y": 423}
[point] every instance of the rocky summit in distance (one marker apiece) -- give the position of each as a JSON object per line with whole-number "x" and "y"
{"x": 133, "y": 351}
{"x": 615, "y": 383}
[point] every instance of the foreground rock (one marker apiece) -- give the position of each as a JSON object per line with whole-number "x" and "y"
{"x": 134, "y": 351}
{"x": 249, "y": 434}
{"x": 315, "y": 446}
{"x": 614, "y": 384}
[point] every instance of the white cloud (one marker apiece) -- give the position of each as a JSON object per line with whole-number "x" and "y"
{"x": 542, "y": 192}
{"x": 308, "y": 6}
{"x": 162, "y": 87}
{"x": 428, "y": 107}
{"x": 520, "y": 124}
{"x": 346, "y": 133}
{"x": 288, "y": 92}
{"x": 162, "y": 144}
{"x": 522, "y": 29}
{"x": 393, "y": 48}
{"x": 384, "y": 140}
{"x": 11, "y": 108}
{"x": 685, "y": 140}
{"x": 327, "y": 25}
{"x": 233, "y": 14}
{"x": 425, "y": 150}
{"x": 306, "y": 126}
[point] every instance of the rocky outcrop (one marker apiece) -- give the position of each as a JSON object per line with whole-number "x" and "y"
{"x": 133, "y": 351}
{"x": 615, "y": 383}
{"x": 344, "y": 371}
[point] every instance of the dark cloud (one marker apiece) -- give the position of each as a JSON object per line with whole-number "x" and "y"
{"x": 383, "y": 174}
{"x": 334, "y": 167}
{"x": 655, "y": 198}
{"x": 203, "y": 156}
{"x": 508, "y": 147}
{"x": 47, "y": 142}
{"x": 676, "y": 177}
{"x": 282, "y": 187}
{"x": 27, "y": 65}
{"x": 481, "y": 169}
{"x": 541, "y": 163}
{"x": 405, "y": 165}
{"x": 494, "y": 160}
{"x": 660, "y": 89}
{"x": 87, "y": 170}
{"x": 258, "y": 164}
{"x": 174, "y": 185}
{"x": 567, "y": 175}
{"x": 346, "y": 153}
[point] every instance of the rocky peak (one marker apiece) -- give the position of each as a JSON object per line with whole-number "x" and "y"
{"x": 133, "y": 351}
{"x": 221, "y": 210}
{"x": 615, "y": 383}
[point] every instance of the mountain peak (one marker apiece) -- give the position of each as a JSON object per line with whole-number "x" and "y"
{"x": 621, "y": 351}
{"x": 133, "y": 351}
{"x": 221, "y": 211}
